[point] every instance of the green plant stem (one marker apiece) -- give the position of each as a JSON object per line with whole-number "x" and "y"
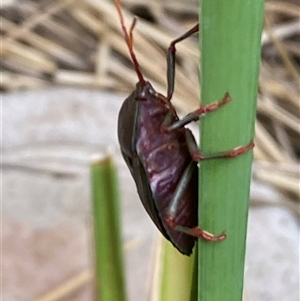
{"x": 230, "y": 34}
{"x": 176, "y": 274}
{"x": 108, "y": 247}
{"x": 194, "y": 286}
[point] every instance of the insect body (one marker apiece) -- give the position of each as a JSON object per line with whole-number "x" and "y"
{"x": 162, "y": 154}
{"x": 157, "y": 160}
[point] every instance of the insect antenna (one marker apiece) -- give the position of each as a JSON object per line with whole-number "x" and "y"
{"x": 129, "y": 41}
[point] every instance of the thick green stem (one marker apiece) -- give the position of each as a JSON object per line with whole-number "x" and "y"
{"x": 108, "y": 247}
{"x": 230, "y": 34}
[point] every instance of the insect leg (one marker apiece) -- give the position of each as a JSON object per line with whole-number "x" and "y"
{"x": 198, "y": 156}
{"x": 172, "y": 210}
{"x": 171, "y": 59}
{"x": 195, "y": 115}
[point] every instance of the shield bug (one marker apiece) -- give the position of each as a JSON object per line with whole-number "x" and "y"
{"x": 162, "y": 154}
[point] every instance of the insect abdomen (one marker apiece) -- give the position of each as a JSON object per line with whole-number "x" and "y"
{"x": 165, "y": 156}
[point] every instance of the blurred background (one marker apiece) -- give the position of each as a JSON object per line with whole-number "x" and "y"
{"x": 65, "y": 71}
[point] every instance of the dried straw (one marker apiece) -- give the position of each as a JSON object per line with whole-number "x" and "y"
{"x": 71, "y": 42}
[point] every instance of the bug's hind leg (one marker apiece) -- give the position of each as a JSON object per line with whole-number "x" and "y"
{"x": 173, "y": 208}
{"x": 171, "y": 59}
{"x": 198, "y": 232}
{"x": 185, "y": 180}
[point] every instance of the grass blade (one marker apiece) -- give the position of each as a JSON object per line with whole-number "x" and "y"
{"x": 108, "y": 247}
{"x": 173, "y": 274}
{"x": 230, "y": 49}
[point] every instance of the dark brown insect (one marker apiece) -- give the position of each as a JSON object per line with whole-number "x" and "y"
{"x": 162, "y": 154}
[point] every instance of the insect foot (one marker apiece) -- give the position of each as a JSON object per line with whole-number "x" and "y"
{"x": 239, "y": 150}
{"x": 195, "y": 231}
{"x": 231, "y": 154}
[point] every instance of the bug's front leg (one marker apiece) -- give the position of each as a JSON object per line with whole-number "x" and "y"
{"x": 173, "y": 208}
{"x": 195, "y": 115}
{"x": 171, "y": 59}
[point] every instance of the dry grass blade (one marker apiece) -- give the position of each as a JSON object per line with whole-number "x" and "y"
{"x": 68, "y": 287}
{"x": 38, "y": 18}
{"x": 80, "y": 43}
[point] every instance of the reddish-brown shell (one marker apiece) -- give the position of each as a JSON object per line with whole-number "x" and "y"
{"x": 157, "y": 160}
